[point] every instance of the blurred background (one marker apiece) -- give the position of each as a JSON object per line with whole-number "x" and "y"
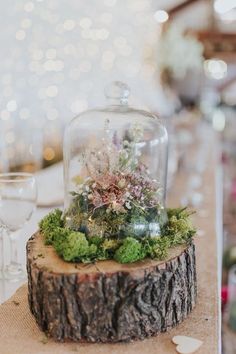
{"x": 178, "y": 57}
{"x": 57, "y": 56}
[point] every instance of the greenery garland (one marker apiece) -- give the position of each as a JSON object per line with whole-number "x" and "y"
{"x": 74, "y": 246}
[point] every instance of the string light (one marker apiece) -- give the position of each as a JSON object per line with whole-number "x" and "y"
{"x": 69, "y": 25}
{"x": 8, "y": 91}
{"x": 10, "y": 137}
{"x": 24, "y": 113}
{"x": 29, "y": 6}
{"x": 224, "y": 6}
{"x": 51, "y": 53}
{"x": 6, "y": 79}
{"x": 85, "y": 22}
{"x": 79, "y": 105}
{"x": 52, "y": 114}
{"x": 106, "y": 18}
{"x": 52, "y": 91}
{"x": 26, "y": 23}
{"x": 110, "y": 2}
{"x": 11, "y": 106}
{"x": 20, "y": 35}
{"x": 85, "y": 66}
{"x": 57, "y": 64}
{"x": 215, "y": 68}
{"x": 37, "y": 54}
{"x": 49, "y": 154}
{"x": 161, "y": 16}
{"x": 5, "y": 115}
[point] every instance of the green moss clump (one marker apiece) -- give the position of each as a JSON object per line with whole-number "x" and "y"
{"x": 130, "y": 251}
{"x": 180, "y": 213}
{"x": 178, "y": 228}
{"x": 157, "y": 247}
{"x": 72, "y": 245}
{"x": 96, "y": 240}
{"x": 110, "y": 244}
{"x": 49, "y": 224}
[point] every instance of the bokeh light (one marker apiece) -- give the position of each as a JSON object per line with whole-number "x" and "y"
{"x": 161, "y": 16}
{"x": 215, "y": 68}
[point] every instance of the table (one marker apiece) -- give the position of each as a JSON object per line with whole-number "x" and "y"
{"x": 204, "y": 322}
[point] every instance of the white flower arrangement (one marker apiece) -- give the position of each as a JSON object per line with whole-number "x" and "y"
{"x": 179, "y": 53}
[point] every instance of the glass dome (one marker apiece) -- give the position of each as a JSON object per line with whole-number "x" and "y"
{"x": 115, "y": 169}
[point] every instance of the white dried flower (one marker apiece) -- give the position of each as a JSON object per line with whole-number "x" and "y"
{"x": 128, "y": 206}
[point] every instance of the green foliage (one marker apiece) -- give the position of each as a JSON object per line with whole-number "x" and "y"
{"x": 49, "y": 224}
{"x": 109, "y": 222}
{"x": 104, "y": 222}
{"x": 178, "y": 228}
{"x": 157, "y": 247}
{"x": 130, "y": 251}
{"x": 73, "y": 246}
{"x": 110, "y": 245}
{"x": 107, "y": 248}
{"x": 180, "y": 213}
{"x": 76, "y": 246}
{"x": 95, "y": 240}
{"x": 136, "y": 224}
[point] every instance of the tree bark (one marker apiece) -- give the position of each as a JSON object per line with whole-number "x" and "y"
{"x": 107, "y": 301}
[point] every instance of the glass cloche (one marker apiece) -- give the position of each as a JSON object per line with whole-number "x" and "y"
{"x": 115, "y": 167}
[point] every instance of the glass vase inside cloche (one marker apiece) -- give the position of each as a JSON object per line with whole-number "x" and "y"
{"x": 115, "y": 169}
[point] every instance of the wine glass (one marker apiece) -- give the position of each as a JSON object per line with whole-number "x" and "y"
{"x": 18, "y": 195}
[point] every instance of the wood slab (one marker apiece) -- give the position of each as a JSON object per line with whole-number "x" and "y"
{"x": 108, "y": 301}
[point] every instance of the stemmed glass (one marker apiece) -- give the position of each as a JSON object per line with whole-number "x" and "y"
{"x": 18, "y": 196}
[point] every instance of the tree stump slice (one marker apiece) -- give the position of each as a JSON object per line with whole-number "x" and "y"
{"x": 108, "y": 301}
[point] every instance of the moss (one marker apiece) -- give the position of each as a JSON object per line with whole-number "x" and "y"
{"x": 95, "y": 240}
{"x": 130, "y": 251}
{"x": 91, "y": 254}
{"x": 160, "y": 248}
{"x": 110, "y": 244}
{"x": 180, "y": 213}
{"x": 49, "y": 224}
{"x": 178, "y": 228}
{"x": 156, "y": 247}
{"x": 76, "y": 246}
{"x": 138, "y": 227}
{"x": 72, "y": 245}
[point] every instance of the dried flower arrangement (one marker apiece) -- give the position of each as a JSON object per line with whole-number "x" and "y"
{"x": 116, "y": 211}
{"x": 119, "y": 198}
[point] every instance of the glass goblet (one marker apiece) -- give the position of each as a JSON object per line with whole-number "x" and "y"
{"x": 18, "y": 196}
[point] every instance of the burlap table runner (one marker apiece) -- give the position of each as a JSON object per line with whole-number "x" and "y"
{"x": 19, "y": 334}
